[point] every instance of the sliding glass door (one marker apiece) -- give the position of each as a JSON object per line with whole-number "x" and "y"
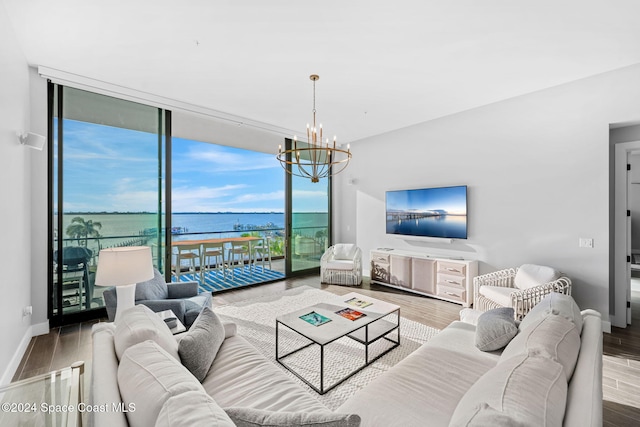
{"x": 107, "y": 168}
{"x": 308, "y": 222}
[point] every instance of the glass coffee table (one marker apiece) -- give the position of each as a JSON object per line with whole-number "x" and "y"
{"x": 361, "y": 319}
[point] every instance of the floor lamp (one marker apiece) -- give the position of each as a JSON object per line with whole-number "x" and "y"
{"x": 123, "y": 268}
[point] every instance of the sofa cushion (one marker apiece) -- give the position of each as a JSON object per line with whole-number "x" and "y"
{"x": 147, "y": 377}
{"x": 485, "y": 416}
{"x": 241, "y": 376}
{"x": 249, "y": 417}
{"x": 554, "y": 303}
{"x": 154, "y": 288}
{"x": 427, "y": 384}
{"x": 339, "y": 264}
{"x": 553, "y": 336}
{"x": 345, "y": 251}
{"x": 192, "y": 408}
{"x": 497, "y": 294}
{"x": 531, "y": 275}
{"x": 139, "y": 324}
{"x": 198, "y": 347}
{"x": 495, "y": 329}
{"x": 529, "y": 388}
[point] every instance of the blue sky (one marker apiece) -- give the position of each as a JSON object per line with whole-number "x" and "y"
{"x": 451, "y": 199}
{"x": 115, "y": 170}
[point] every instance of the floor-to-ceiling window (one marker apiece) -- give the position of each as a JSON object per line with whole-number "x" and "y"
{"x": 309, "y": 228}
{"x": 227, "y": 215}
{"x": 107, "y": 182}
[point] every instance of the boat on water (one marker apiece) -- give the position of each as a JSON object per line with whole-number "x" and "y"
{"x": 154, "y": 231}
{"x": 251, "y": 227}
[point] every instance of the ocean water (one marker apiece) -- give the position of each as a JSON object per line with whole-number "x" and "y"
{"x": 120, "y": 228}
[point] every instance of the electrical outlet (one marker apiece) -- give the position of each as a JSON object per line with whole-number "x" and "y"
{"x": 27, "y": 311}
{"x": 585, "y": 242}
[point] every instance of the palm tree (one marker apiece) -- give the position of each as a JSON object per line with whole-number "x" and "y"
{"x": 81, "y": 229}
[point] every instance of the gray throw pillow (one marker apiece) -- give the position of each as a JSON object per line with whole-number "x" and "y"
{"x": 249, "y": 417}
{"x": 199, "y": 346}
{"x": 495, "y": 329}
{"x": 154, "y": 288}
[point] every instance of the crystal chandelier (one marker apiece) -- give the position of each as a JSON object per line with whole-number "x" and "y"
{"x": 316, "y": 158}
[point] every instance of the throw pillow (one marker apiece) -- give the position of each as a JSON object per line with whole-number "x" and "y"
{"x": 344, "y": 251}
{"x": 554, "y": 303}
{"x": 495, "y": 329}
{"x": 199, "y": 346}
{"x": 530, "y": 275}
{"x": 147, "y": 377}
{"x": 553, "y": 336}
{"x": 248, "y": 417}
{"x": 139, "y": 324}
{"x": 154, "y": 288}
{"x": 528, "y": 388}
{"x": 192, "y": 408}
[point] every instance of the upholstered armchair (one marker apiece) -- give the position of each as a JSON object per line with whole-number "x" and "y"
{"x": 341, "y": 264}
{"x": 520, "y": 288}
{"x": 181, "y": 297}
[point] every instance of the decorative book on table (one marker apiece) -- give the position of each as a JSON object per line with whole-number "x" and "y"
{"x": 351, "y": 314}
{"x": 315, "y": 319}
{"x": 357, "y": 302}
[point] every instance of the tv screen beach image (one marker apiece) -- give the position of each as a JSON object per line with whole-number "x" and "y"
{"x": 428, "y": 212}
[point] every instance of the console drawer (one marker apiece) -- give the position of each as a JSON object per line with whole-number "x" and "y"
{"x": 454, "y": 268}
{"x": 452, "y": 292}
{"x": 451, "y": 280}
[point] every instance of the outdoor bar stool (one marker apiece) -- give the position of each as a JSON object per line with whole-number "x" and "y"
{"x": 241, "y": 249}
{"x": 263, "y": 250}
{"x": 187, "y": 254}
{"x": 213, "y": 252}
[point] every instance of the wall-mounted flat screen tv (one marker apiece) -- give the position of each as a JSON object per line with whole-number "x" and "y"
{"x": 428, "y": 212}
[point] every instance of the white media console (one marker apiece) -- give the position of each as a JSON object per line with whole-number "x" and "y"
{"x": 443, "y": 278}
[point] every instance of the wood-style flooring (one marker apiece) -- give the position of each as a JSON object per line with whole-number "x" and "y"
{"x": 621, "y": 373}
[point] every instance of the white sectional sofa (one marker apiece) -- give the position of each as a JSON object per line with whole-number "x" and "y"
{"x": 448, "y": 381}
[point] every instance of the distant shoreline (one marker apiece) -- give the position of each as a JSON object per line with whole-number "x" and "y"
{"x": 180, "y": 213}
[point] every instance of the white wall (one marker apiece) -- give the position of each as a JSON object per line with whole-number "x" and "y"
{"x": 15, "y": 181}
{"x": 537, "y": 167}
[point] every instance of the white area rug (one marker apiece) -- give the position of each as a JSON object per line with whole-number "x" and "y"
{"x": 256, "y": 323}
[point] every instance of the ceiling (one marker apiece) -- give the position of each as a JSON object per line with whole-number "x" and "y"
{"x": 383, "y": 65}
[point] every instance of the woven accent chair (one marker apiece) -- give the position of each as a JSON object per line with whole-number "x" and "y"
{"x": 520, "y": 288}
{"x": 341, "y": 264}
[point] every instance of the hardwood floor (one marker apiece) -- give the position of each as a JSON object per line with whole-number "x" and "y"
{"x": 621, "y": 359}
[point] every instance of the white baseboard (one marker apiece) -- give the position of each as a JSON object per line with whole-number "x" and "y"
{"x": 40, "y": 329}
{"x": 8, "y": 373}
{"x": 32, "y": 331}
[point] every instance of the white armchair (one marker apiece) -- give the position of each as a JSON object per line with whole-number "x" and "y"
{"x": 520, "y": 288}
{"x": 341, "y": 264}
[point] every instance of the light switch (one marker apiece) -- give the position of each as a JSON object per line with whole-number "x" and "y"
{"x": 585, "y": 242}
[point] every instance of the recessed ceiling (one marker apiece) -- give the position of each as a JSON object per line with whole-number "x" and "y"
{"x": 383, "y": 65}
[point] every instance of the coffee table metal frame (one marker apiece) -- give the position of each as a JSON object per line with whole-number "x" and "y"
{"x": 359, "y": 332}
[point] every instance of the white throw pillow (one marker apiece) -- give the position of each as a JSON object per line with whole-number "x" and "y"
{"x": 530, "y": 275}
{"x": 553, "y": 336}
{"x": 147, "y": 377}
{"x": 190, "y": 409}
{"x": 554, "y": 303}
{"x": 530, "y": 389}
{"x": 344, "y": 251}
{"x": 139, "y": 324}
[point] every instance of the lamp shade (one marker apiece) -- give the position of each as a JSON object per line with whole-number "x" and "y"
{"x": 124, "y": 266}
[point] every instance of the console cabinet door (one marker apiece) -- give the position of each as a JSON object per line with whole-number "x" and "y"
{"x": 401, "y": 271}
{"x": 423, "y": 275}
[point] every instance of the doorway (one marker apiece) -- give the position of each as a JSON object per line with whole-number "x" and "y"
{"x": 626, "y": 256}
